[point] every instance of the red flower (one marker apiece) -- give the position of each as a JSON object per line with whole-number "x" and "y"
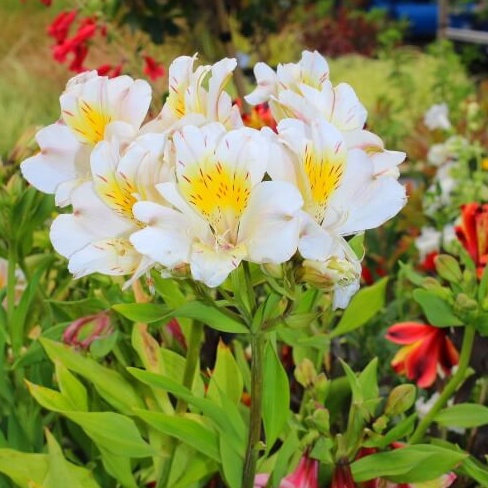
{"x": 428, "y": 264}
{"x": 80, "y": 54}
{"x": 426, "y": 347}
{"x": 342, "y": 477}
{"x": 60, "y": 26}
{"x": 473, "y": 233}
{"x": 153, "y": 69}
{"x": 109, "y": 70}
{"x": 76, "y": 44}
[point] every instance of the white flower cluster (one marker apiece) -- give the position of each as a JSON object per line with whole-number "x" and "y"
{"x": 195, "y": 191}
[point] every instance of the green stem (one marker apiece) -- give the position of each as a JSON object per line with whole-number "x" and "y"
{"x": 192, "y": 360}
{"x": 454, "y": 383}
{"x": 11, "y": 281}
{"x": 258, "y": 342}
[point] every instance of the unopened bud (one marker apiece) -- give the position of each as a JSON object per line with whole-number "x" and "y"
{"x": 448, "y": 268}
{"x": 466, "y": 303}
{"x": 321, "y": 387}
{"x": 305, "y": 373}
{"x": 83, "y": 331}
{"x": 327, "y": 274}
{"x": 273, "y": 270}
{"x": 400, "y": 399}
{"x": 321, "y": 420}
{"x": 380, "y": 424}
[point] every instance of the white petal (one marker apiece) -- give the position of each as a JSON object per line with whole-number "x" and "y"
{"x": 266, "y": 79}
{"x": 364, "y": 201}
{"x": 107, "y": 256}
{"x": 212, "y": 266}
{"x": 315, "y": 242}
{"x": 166, "y": 240}
{"x": 348, "y": 113}
{"x": 55, "y": 163}
{"x": 270, "y": 226}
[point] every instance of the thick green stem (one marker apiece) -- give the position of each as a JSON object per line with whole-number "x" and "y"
{"x": 191, "y": 364}
{"x": 454, "y": 383}
{"x": 258, "y": 342}
{"x": 11, "y": 282}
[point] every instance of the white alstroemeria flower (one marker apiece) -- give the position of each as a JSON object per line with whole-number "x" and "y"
{"x": 304, "y": 91}
{"x": 223, "y": 210}
{"x": 340, "y": 273}
{"x": 428, "y": 241}
{"x": 95, "y": 238}
{"x": 437, "y": 117}
{"x": 342, "y": 193}
{"x": 93, "y": 108}
{"x": 189, "y": 102}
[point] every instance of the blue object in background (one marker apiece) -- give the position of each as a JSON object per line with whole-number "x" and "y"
{"x": 423, "y": 16}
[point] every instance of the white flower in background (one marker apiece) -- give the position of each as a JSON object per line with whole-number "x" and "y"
{"x": 447, "y": 151}
{"x": 304, "y": 91}
{"x": 223, "y": 210}
{"x": 437, "y": 117}
{"x": 93, "y": 108}
{"x": 189, "y": 103}
{"x": 95, "y": 237}
{"x": 442, "y": 187}
{"x": 431, "y": 240}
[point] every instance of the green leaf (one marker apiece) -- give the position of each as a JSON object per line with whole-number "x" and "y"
{"x": 189, "y": 467}
{"x": 110, "y": 384}
{"x": 61, "y": 472}
{"x": 102, "y": 346}
{"x": 232, "y": 463}
{"x": 276, "y": 395}
{"x": 357, "y": 245}
{"x": 72, "y": 388}
{"x": 143, "y": 312}
{"x": 226, "y": 417}
{"x": 399, "y": 431}
{"x": 465, "y": 415}
{"x": 113, "y": 432}
{"x": 483, "y": 286}
{"x": 363, "y": 307}
{"x": 476, "y": 470}
{"x": 437, "y": 310}
{"x": 208, "y": 314}
{"x": 24, "y": 469}
{"x": 190, "y": 429}
{"x": 119, "y": 467}
{"x": 50, "y": 399}
{"x": 212, "y": 316}
{"x": 480, "y": 323}
{"x": 226, "y": 377}
{"x": 410, "y": 464}
{"x": 289, "y": 447}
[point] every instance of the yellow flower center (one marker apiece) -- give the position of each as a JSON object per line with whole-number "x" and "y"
{"x": 323, "y": 176}
{"x": 219, "y": 194}
{"x": 88, "y": 123}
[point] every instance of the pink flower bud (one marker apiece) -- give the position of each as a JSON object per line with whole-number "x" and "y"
{"x": 83, "y": 331}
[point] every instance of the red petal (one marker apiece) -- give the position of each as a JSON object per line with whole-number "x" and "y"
{"x": 408, "y": 332}
{"x": 421, "y": 363}
{"x": 448, "y": 356}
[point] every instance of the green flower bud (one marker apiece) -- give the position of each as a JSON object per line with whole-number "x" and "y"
{"x": 400, "y": 399}
{"x": 305, "y": 373}
{"x": 448, "y": 268}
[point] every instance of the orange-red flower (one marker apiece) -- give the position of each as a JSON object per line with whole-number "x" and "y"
{"x": 473, "y": 233}
{"x": 426, "y": 348}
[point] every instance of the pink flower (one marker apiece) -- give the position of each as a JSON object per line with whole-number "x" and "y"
{"x": 342, "y": 477}
{"x": 304, "y": 476}
{"x": 153, "y": 69}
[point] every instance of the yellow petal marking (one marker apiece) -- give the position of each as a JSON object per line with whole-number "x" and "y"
{"x": 323, "y": 177}
{"x": 219, "y": 194}
{"x": 117, "y": 191}
{"x": 88, "y": 123}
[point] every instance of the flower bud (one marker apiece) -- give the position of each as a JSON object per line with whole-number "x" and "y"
{"x": 321, "y": 420}
{"x": 400, "y": 399}
{"x": 305, "y": 373}
{"x": 83, "y": 331}
{"x": 325, "y": 275}
{"x": 465, "y": 303}
{"x": 273, "y": 270}
{"x": 448, "y": 268}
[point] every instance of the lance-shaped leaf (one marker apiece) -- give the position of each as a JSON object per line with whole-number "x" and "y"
{"x": 410, "y": 464}
{"x": 363, "y": 307}
{"x": 110, "y": 384}
{"x": 276, "y": 396}
{"x": 463, "y": 415}
{"x": 437, "y": 310}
